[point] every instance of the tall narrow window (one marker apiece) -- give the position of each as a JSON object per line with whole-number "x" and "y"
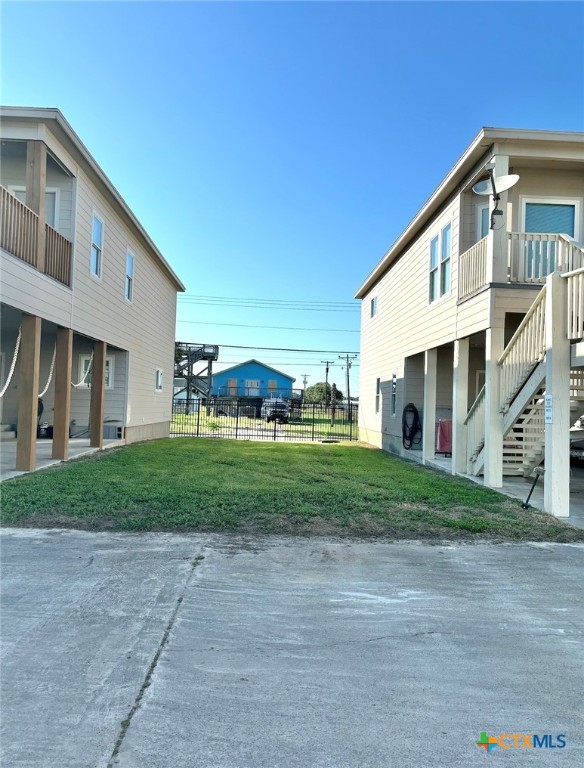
{"x": 445, "y": 260}
{"x": 96, "y": 246}
{"x": 377, "y": 394}
{"x": 393, "y": 394}
{"x": 434, "y": 269}
{"x": 158, "y": 386}
{"x": 129, "y": 276}
{"x": 374, "y": 306}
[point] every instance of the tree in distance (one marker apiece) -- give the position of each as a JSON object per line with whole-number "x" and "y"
{"x": 316, "y": 393}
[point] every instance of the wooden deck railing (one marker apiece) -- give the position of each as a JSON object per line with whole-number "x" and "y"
{"x": 475, "y": 428}
{"x": 472, "y": 271}
{"x": 525, "y": 350}
{"x": 575, "y": 304}
{"x": 18, "y": 228}
{"x": 531, "y": 256}
{"x": 19, "y": 231}
{"x": 58, "y": 252}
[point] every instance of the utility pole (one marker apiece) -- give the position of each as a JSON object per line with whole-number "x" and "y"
{"x": 348, "y": 363}
{"x": 328, "y": 363}
{"x": 305, "y": 377}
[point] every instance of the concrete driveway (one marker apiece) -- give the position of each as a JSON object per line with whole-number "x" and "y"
{"x": 131, "y": 651}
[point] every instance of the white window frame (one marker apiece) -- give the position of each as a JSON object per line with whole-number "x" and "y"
{"x": 377, "y": 395}
{"x": 96, "y": 275}
{"x": 439, "y": 238}
{"x": 14, "y": 188}
{"x": 393, "y": 408}
{"x": 159, "y": 380}
{"x": 373, "y": 307}
{"x": 129, "y": 282}
{"x": 544, "y": 200}
{"x": 109, "y": 371}
{"x": 480, "y": 208}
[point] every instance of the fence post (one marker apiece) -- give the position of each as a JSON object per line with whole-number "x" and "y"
{"x": 198, "y": 416}
{"x": 313, "y": 422}
{"x": 236, "y": 416}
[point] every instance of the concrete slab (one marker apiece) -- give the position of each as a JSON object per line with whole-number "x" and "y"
{"x": 276, "y": 652}
{"x": 78, "y": 446}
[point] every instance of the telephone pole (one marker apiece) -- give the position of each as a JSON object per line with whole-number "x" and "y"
{"x": 348, "y": 363}
{"x": 328, "y": 364}
{"x": 305, "y": 377}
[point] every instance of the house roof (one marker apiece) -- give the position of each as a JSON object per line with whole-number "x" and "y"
{"x": 257, "y": 362}
{"x": 471, "y": 163}
{"x": 54, "y": 119}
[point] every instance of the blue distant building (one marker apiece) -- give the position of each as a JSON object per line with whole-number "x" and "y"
{"x": 252, "y": 379}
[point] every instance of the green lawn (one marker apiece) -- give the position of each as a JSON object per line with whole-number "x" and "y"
{"x": 189, "y": 484}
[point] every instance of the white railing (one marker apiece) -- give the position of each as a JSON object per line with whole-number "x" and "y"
{"x": 575, "y": 304}
{"x": 525, "y": 350}
{"x": 531, "y": 256}
{"x": 475, "y": 428}
{"x": 472, "y": 271}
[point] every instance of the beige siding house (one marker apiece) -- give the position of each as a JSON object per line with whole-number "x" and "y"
{"x": 87, "y": 300}
{"x": 475, "y": 317}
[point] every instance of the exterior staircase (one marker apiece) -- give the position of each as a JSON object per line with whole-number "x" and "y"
{"x": 522, "y": 389}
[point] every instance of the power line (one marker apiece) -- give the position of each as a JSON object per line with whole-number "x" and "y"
{"x": 260, "y": 306}
{"x": 275, "y": 327}
{"x": 191, "y": 296}
{"x": 273, "y": 349}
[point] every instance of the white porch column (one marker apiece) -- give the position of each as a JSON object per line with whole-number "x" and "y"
{"x": 497, "y": 238}
{"x": 429, "y": 425}
{"x": 459, "y": 404}
{"x": 556, "y": 498}
{"x": 493, "y": 417}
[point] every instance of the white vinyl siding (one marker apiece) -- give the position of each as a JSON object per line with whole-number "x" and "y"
{"x": 446, "y": 250}
{"x": 96, "y": 246}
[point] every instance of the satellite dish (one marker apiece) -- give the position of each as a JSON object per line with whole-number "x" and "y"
{"x": 495, "y": 184}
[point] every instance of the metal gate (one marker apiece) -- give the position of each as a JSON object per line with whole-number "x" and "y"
{"x": 241, "y": 418}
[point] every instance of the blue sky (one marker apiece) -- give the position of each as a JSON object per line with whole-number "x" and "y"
{"x": 275, "y": 150}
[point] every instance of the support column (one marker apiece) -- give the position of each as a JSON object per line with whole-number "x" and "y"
{"x": 497, "y": 238}
{"x": 28, "y": 393}
{"x": 459, "y": 404}
{"x": 429, "y": 425}
{"x": 36, "y": 182}
{"x": 495, "y": 342}
{"x": 63, "y": 360}
{"x": 97, "y": 407}
{"x": 556, "y": 498}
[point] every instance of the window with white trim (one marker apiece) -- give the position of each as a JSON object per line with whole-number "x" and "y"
{"x": 109, "y": 371}
{"x": 374, "y": 306}
{"x": 440, "y": 261}
{"x": 483, "y": 221}
{"x": 393, "y": 393}
{"x": 158, "y": 384}
{"x": 377, "y": 395}
{"x": 129, "y": 276}
{"x": 96, "y": 246}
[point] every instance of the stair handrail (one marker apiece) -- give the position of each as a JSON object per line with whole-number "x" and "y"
{"x": 523, "y": 352}
{"x": 475, "y": 424}
{"x": 575, "y": 303}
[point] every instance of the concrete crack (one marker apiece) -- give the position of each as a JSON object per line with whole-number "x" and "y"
{"x": 125, "y": 724}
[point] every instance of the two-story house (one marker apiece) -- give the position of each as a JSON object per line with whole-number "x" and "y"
{"x": 88, "y": 302}
{"x": 252, "y": 379}
{"x": 474, "y": 315}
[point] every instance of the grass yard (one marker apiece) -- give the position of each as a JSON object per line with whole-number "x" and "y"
{"x": 190, "y": 484}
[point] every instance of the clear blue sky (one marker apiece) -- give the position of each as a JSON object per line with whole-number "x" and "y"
{"x": 276, "y": 150}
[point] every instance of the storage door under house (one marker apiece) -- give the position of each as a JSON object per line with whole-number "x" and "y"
{"x": 546, "y": 218}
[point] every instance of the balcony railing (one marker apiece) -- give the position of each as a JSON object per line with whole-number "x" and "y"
{"x": 473, "y": 269}
{"x": 531, "y": 257}
{"x": 19, "y": 233}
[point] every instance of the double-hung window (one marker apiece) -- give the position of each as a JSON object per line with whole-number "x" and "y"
{"x": 129, "y": 276}
{"x": 440, "y": 260}
{"x": 96, "y": 246}
{"x": 374, "y": 306}
{"x": 158, "y": 382}
{"x": 377, "y": 395}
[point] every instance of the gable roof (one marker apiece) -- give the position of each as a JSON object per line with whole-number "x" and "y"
{"x": 471, "y": 163}
{"x": 63, "y": 131}
{"x": 257, "y": 362}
